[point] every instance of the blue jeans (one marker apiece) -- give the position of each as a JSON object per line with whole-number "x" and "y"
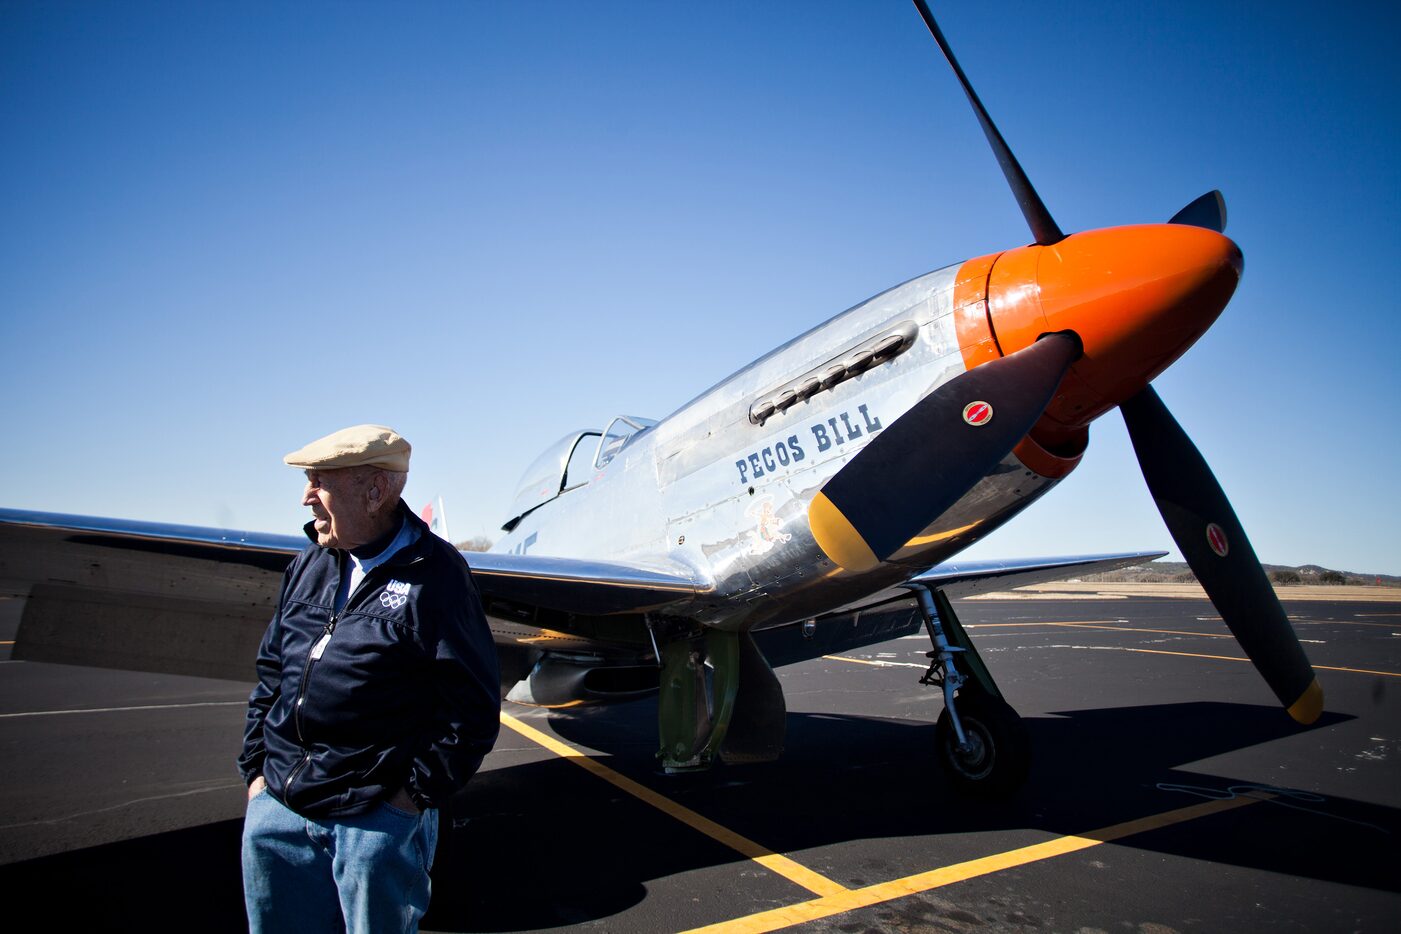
{"x": 361, "y": 874}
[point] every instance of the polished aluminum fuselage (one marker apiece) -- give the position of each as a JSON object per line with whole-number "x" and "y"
{"x": 713, "y": 490}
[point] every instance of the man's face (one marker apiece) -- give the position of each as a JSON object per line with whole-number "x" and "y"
{"x": 340, "y": 506}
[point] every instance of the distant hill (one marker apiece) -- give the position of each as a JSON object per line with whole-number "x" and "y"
{"x": 1161, "y": 572}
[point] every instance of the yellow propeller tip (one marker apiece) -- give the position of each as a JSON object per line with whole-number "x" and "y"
{"x": 1309, "y": 705}
{"x": 837, "y": 538}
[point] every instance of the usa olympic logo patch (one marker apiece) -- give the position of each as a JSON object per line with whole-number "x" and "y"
{"x": 396, "y": 594}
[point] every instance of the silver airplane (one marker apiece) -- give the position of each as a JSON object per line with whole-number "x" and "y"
{"x": 808, "y": 504}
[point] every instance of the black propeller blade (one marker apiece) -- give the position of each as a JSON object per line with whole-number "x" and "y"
{"x": 1205, "y": 528}
{"x": 1208, "y": 211}
{"x": 858, "y": 521}
{"x": 1043, "y": 226}
{"x": 922, "y": 463}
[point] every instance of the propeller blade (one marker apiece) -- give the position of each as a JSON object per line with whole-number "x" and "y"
{"x": 924, "y": 461}
{"x": 1210, "y": 536}
{"x": 1208, "y": 211}
{"x": 1043, "y": 226}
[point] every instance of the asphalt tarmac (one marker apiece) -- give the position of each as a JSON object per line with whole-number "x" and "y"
{"x": 1169, "y": 793}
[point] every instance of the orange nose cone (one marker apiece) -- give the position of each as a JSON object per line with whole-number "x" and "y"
{"x": 1138, "y": 297}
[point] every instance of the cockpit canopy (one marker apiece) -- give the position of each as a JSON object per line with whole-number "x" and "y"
{"x": 618, "y": 435}
{"x": 572, "y": 462}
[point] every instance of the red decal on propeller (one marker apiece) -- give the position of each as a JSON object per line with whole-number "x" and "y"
{"x": 1216, "y": 538}
{"x": 977, "y": 413}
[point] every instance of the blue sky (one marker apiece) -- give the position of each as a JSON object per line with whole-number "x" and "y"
{"x": 230, "y": 228}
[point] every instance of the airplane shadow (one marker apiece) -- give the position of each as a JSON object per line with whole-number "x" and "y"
{"x": 543, "y": 845}
{"x": 186, "y": 880}
{"x": 846, "y": 777}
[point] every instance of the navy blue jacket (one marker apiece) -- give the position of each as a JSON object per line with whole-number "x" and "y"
{"x": 406, "y": 692}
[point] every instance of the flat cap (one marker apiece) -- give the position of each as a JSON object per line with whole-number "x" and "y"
{"x": 358, "y": 446}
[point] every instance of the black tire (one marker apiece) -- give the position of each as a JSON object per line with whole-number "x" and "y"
{"x": 1000, "y": 757}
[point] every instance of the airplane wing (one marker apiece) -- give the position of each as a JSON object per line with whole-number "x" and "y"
{"x": 184, "y": 599}
{"x": 892, "y": 613}
{"x": 595, "y": 588}
{"x": 966, "y": 578}
{"x": 969, "y": 578}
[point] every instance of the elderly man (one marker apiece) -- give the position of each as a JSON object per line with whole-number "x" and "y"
{"x": 377, "y": 697}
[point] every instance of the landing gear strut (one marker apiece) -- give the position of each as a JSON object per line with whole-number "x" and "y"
{"x": 979, "y": 738}
{"x": 718, "y": 699}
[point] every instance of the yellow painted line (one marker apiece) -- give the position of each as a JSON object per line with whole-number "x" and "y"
{"x": 1358, "y": 671}
{"x": 1083, "y": 622}
{"x": 849, "y": 900}
{"x": 777, "y": 863}
{"x": 1110, "y": 624}
{"x": 877, "y": 662}
{"x": 1298, "y": 621}
{"x": 1236, "y": 658}
{"x": 1120, "y": 648}
{"x": 1219, "y": 658}
{"x": 1166, "y": 632}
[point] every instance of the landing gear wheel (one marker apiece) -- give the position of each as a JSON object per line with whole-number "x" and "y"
{"x": 998, "y": 755}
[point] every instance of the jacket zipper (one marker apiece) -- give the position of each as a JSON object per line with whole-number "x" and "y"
{"x": 315, "y": 652}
